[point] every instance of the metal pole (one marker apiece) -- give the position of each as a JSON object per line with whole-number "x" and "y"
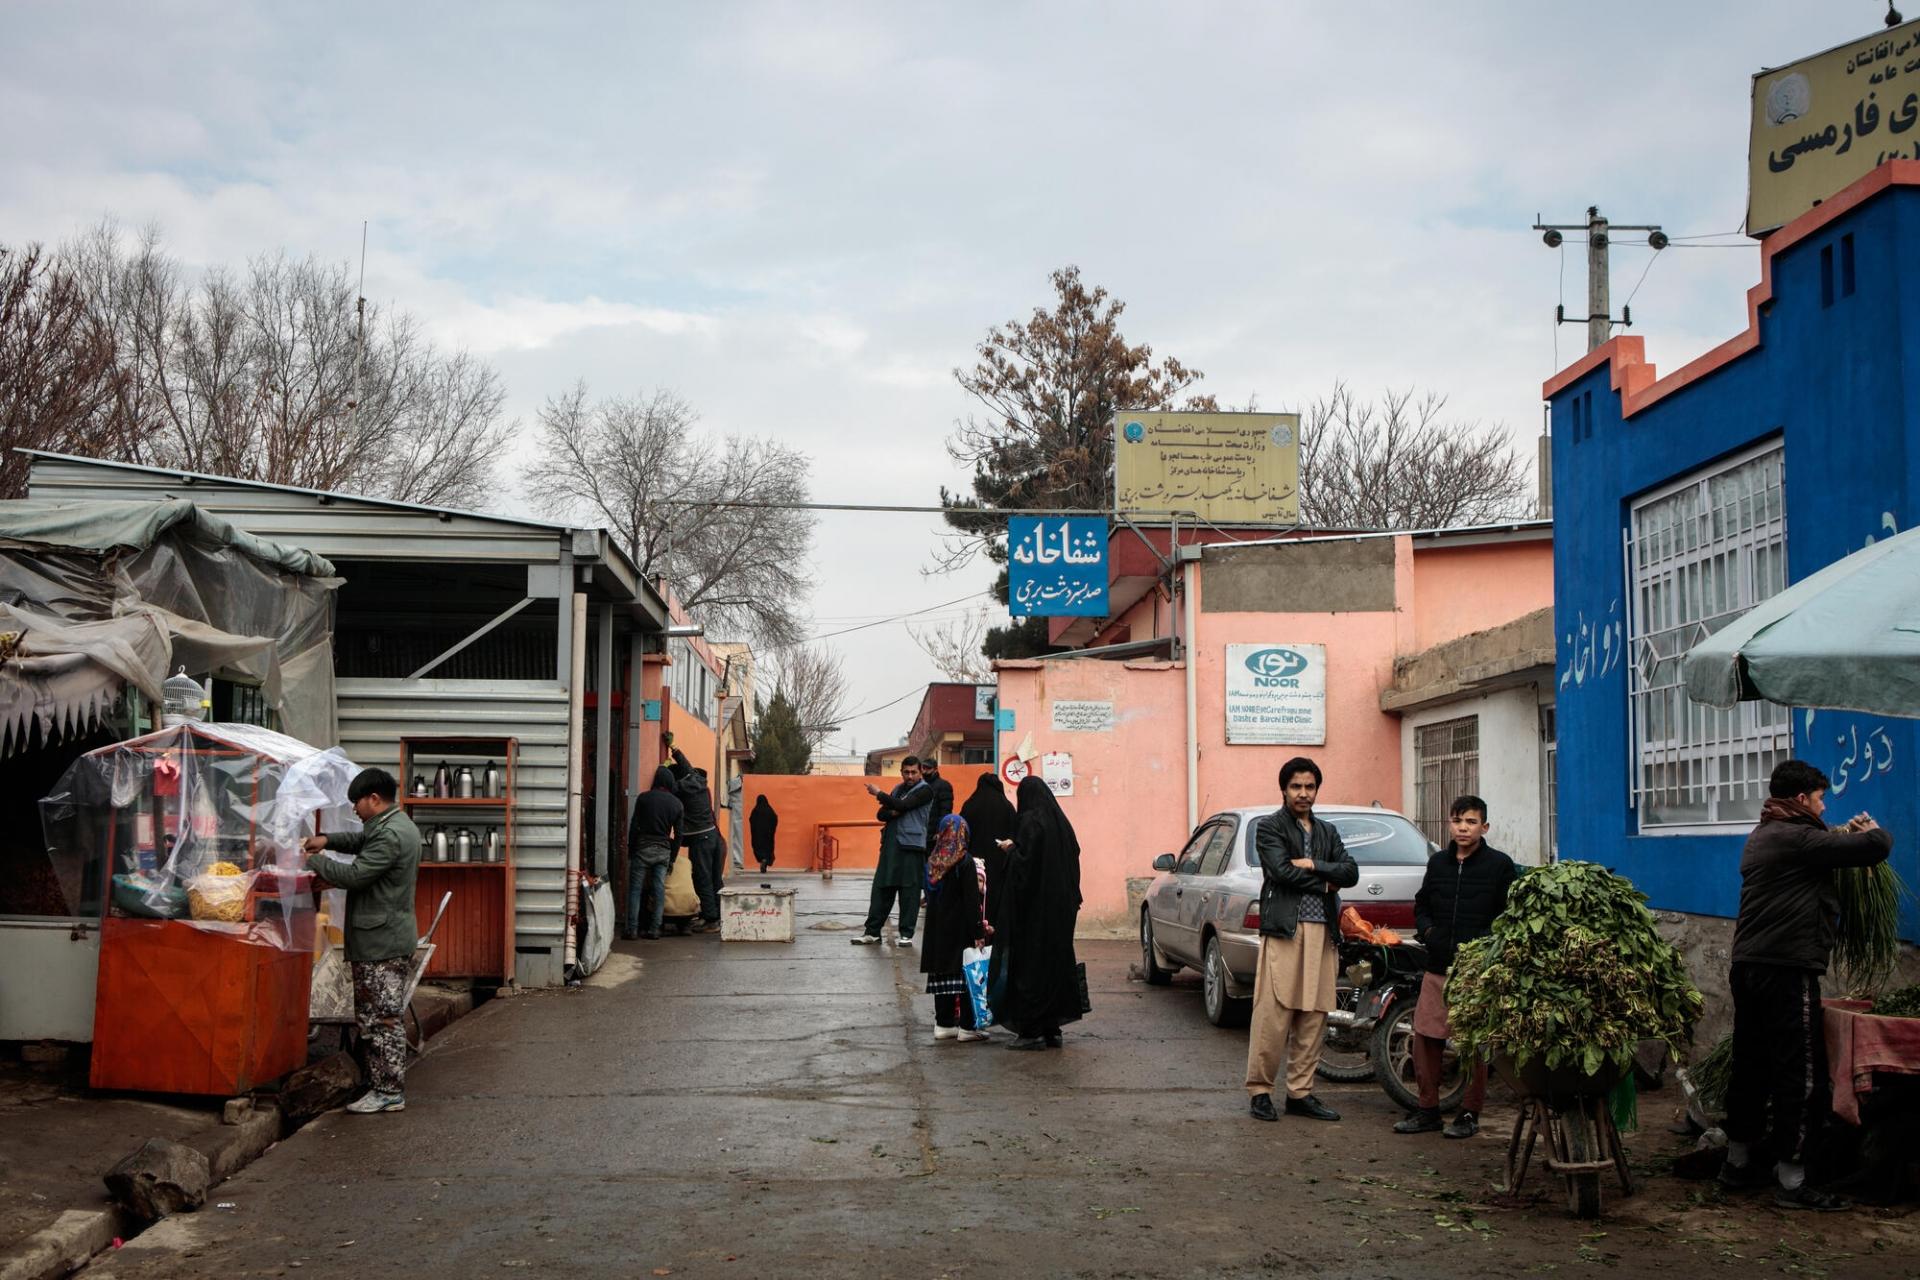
{"x": 1191, "y": 657}
{"x": 606, "y": 782}
{"x": 1599, "y": 301}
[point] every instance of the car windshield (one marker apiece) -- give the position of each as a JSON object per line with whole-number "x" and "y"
{"x": 1374, "y": 839}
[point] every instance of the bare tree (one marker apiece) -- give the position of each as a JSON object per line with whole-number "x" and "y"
{"x": 955, "y": 646}
{"x": 269, "y": 374}
{"x": 57, "y": 377}
{"x": 1397, "y": 463}
{"x": 719, "y": 519}
{"x": 812, "y": 680}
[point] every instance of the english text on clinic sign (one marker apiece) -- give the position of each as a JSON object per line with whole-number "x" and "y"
{"x": 1277, "y": 694}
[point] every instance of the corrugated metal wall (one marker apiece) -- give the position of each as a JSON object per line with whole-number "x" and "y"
{"x": 375, "y": 714}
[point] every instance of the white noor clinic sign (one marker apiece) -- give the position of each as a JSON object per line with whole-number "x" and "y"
{"x": 1277, "y": 694}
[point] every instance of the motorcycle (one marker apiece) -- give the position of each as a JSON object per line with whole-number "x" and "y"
{"x": 1370, "y": 1033}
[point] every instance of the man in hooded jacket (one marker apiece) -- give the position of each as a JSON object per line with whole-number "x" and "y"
{"x": 700, "y": 833}
{"x": 652, "y": 835}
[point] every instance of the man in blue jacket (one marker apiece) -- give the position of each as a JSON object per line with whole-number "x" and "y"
{"x": 903, "y": 854}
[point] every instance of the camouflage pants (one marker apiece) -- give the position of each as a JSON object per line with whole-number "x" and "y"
{"x": 379, "y": 989}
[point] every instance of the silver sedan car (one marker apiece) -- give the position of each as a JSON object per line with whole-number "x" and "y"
{"x": 1202, "y": 911}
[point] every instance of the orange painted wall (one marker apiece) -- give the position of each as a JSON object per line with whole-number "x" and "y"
{"x": 803, "y": 801}
{"x": 1130, "y": 785}
{"x": 1460, "y": 590}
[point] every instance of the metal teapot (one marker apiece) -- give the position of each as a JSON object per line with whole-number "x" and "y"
{"x": 463, "y": 845}
{"x": 441, "y": 845}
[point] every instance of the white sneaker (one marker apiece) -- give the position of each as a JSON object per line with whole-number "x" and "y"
{"x": 905, "y": 944}
{"x": 948, "y": 1033}
{"x": 372, "y": 1102}
{"x": 967, "y": 1037}
{"x": 865, "y": 940}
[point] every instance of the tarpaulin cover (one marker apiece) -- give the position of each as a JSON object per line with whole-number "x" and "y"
{"x": 95, "y": 596}
{"x": 201, "y": 824}
{"x": 1847, "y": 637}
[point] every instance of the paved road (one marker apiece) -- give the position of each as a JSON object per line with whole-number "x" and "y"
{"x": 707, "y": 1109}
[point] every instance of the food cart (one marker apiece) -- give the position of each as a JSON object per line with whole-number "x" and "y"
{"x": 190, "y": 838}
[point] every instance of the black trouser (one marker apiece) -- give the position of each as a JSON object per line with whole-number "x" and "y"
{"x": 953, "y": 1011}
{"x": 1779, "y": 1053}
{"x": 881, "y": 903}
{"x": 703, "y": 851}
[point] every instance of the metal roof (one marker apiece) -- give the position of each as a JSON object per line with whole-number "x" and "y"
{"x": 313, "y": 518}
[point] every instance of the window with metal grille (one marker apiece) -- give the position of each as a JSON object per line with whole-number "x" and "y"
{"x": 1447, "y": 758}
{"x": 1700, "y": 553}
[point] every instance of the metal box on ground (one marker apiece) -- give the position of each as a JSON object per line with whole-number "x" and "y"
{"x": 756, "y": 915}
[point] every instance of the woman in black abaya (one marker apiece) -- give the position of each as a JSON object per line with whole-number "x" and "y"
{"x": 990, "y": 819}
{"x": 1036, "y": 981}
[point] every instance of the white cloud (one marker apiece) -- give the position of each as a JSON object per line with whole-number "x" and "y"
{"x": 803, "y": 217}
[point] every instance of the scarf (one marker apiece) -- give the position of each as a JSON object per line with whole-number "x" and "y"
{"x": 948, "y": 848}
{"x": 1778, "y": 809}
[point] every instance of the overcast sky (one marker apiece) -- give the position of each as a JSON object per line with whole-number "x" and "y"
{"x": 802, "y": 216}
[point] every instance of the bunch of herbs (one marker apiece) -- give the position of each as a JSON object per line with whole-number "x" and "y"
{"x": 1574, "y": 972}
{"x": 1868, "y": 941}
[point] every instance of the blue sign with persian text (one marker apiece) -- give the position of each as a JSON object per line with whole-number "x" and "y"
{"x": 1057, "y": 566}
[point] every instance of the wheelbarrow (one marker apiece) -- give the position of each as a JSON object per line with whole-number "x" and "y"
{"x": 1571, "y": 1108}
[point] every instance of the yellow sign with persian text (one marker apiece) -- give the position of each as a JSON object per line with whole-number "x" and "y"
{"x": 1220, "y": 468}
{"x": 1824, "y": 122}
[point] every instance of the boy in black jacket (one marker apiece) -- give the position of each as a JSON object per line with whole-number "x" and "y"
{"x": 1465, "y": 888}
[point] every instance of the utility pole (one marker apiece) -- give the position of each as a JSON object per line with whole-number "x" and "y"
{"x": 1599, "y": 318}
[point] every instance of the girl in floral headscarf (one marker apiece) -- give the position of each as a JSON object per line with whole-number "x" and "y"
{"x": 954, "y": 923}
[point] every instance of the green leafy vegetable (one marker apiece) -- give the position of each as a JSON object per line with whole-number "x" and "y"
{"x": 1869, "y": 926}
{"x": 1904, "y": 1003}
{"x": 1574, "y": 972}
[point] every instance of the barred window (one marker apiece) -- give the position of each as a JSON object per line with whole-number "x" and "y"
{"x": 1701, "y": 553}
{"x": 1447, "y": 756}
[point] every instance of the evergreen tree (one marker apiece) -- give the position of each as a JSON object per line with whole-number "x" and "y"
{"x": 780, "y": 742}
{"x": 1050, "y": 387}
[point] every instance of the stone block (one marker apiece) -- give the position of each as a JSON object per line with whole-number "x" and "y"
{"x": 162, "y": 1177}
{"x": 319, "y": 1087}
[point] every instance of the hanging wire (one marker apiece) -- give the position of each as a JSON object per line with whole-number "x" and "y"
{"x": 1651, "y": 259}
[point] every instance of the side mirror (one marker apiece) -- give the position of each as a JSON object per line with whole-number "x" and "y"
{"x": 1163, "y": 863}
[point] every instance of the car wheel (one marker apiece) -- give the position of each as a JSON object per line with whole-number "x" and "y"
{"x": 1222, "y": 1009}
{"x": 1149, "y": 967}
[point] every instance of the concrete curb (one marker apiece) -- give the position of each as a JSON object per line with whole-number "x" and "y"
{"x": 73, "y": 1239}
{"x": 79, "y": 1234}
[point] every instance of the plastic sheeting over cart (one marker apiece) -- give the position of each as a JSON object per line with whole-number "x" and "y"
{"x": 201, "y": 824}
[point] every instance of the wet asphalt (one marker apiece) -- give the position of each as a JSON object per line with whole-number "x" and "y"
{"x": 701, "y": 1108}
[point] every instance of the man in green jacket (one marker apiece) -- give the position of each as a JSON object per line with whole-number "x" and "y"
{"x": 378, "y": 877}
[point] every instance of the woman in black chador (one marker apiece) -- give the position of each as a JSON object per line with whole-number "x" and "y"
{"x": 990, "y": 819}
{"x": 762, "y": 823}
{"x": 1036, "y": 981}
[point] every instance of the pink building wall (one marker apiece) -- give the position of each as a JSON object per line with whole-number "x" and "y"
{"x": 1460, "y": 590}
{"x": 1130, "y": 785}
{"x": 1361, "y": 756}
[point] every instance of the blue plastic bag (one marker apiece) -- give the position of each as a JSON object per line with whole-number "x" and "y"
{"x": 974, "y": 962}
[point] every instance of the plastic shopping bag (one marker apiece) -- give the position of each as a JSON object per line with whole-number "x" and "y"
{"x": 974, "y": 962}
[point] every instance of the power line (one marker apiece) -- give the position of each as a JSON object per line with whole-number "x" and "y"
{"x": 899, "y": 617}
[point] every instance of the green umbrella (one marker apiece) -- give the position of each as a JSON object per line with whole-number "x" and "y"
{"x": 1848, "y": 637}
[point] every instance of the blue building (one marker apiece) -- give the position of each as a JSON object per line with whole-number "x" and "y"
{"x": 1683, "y": 501}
